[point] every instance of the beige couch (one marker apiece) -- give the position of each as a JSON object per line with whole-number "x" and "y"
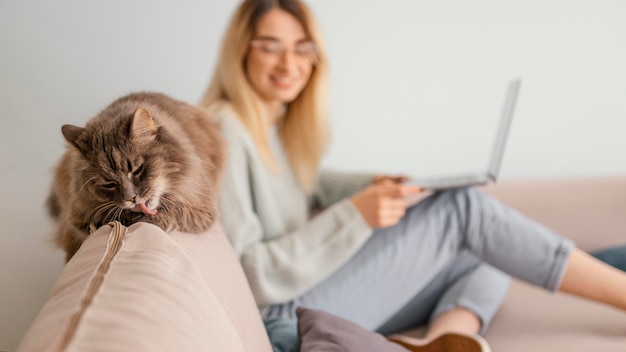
{"x": 592, "y": 212}
{"x": 138, "y": 289}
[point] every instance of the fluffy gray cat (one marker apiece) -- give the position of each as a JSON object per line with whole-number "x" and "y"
{"x": 146, "y": 157}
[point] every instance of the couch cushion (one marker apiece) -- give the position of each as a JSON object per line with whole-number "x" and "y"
{"x": 532, "y": 319}
{"x": 138, "y": 289}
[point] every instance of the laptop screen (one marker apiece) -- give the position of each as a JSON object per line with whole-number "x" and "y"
{"x": 504, "y": 127}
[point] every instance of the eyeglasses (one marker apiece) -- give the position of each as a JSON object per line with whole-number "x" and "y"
{"x": 272, "y": 49}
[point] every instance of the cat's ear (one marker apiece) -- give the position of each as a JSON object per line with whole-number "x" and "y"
{"x": 143, "y": 125}
{"x": 72, "y": 134}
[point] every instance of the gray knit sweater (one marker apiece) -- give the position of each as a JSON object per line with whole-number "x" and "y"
{"x": 266, "y": 216}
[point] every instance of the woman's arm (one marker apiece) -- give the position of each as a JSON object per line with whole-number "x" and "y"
{"x": 279, "y": 267}
{"x": 333, "y": 186}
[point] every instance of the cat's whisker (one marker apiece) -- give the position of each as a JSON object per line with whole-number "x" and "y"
{"x": 103, "y": 206}
{"x": 106, "y": 216}
{"x": 117, "y": 213}
{"x": 97, "y": 210}
{"x": 85, "y": 184}
{"x": 112, "y": 214}
{"x": 102, "y": 209}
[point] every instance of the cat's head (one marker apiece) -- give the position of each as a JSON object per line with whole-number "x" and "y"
{"x": 126, "y": 161}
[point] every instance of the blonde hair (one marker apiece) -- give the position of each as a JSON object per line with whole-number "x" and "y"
{"x": 304, "y": 129}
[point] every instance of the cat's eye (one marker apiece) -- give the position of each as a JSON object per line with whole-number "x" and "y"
{"x": 109, "y": 186}
{"x": 138, "y": 170}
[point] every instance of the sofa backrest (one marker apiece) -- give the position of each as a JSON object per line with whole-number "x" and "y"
{"x": 140, "y": 289}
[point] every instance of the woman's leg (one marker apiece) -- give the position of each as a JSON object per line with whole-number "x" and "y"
{"x": 460, "y": 309}
{"x": 396, "y": 263}
{"x": 442, "y": 301}
{"x": 457, "y": 301}
{"x": 523, "y": 251}
{"x": 458, "y": 319}
{"x": 464, "y": 297}
{"x": 588, "y": 277}
{"x": 470, "y": 304}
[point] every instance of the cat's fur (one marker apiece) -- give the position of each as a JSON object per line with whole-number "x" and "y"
{"x": 144, "y": 148}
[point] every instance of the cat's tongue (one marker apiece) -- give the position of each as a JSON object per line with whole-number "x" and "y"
{"x": 141, "y": 208}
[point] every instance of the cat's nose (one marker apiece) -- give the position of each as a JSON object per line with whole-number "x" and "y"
{"x": 131, "y": 197}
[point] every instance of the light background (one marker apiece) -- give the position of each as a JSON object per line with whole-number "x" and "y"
{"x": 417, "y": 87}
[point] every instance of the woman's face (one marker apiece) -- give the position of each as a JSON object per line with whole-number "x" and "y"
{"x": 280, "y": 60}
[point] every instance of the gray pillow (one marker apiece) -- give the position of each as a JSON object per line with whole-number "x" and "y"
{"x": 321, "y": 331}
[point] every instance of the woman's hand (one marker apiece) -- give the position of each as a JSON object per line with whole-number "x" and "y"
{"x": 383, "y": 203}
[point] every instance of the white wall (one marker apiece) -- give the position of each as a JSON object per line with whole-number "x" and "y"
{"x": 416, "y": 88}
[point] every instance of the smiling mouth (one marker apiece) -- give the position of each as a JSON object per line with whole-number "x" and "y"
{"x": 284, "y": 81}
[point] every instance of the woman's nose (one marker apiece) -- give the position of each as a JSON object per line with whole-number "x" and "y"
{"x": 287, "y": 59}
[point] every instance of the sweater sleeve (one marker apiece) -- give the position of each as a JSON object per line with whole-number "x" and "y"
{"x": 284, "y": 266}
{"x": 333, "y": 186}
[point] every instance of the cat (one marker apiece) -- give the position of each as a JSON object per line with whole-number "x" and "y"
{"x": 145, "y": 157}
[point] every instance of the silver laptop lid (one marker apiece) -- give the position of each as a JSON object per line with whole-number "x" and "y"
{"x": 503, "y": 128}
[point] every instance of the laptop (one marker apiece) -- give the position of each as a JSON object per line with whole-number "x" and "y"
{"x": 491, "y": 174}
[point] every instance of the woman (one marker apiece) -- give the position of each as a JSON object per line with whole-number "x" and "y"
{"x": 365, "y": 256}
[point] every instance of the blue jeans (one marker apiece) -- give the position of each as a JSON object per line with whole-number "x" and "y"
{"x": 450, "y": 250}
{"x": 283, "y": 334}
